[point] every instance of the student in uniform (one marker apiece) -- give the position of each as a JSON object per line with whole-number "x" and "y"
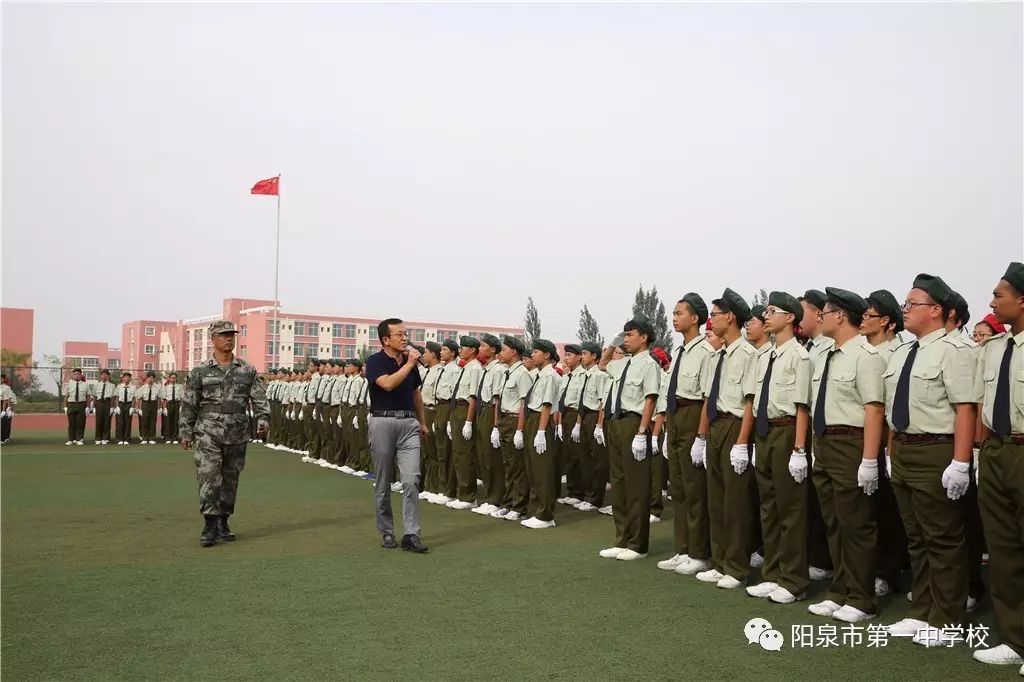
{"x": 1000, "y": 392}
{"x": 443, "y": 393}
{"x": 102, "y": 401}
{"x": 170, "y": 403}
{"x": 569, "y": 392}
{"x": 488, "y": 438}
{"x": 432, "y": 359}
{"x": 7, "y": 402}
{"x": 987, "y": 328}
{"x": 338, "y": 409}
{"x": 537, "y": 426}
{"x": 124, "y": 400}
{"x": 147, "y": 402}
{"x": 958, "y": 317}
{"x": 847, "y": 419}
{"x": 756, "y": 336}
{"x": 460, "y": 424}
{"x": 76, "y": 402}
{"x": 593, "y": 454}
{"x": 516, "y": 383}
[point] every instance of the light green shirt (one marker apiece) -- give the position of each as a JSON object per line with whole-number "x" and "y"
{"x": 125, "y": 394}
{"x": 104, "y": 389}
{"x": 516, "y": 383}
{"x": 354, "y": 390}
{"x": 449, "y": 377}
{"x": 854, "y": 380}
{"x": 321, "y": 389}
{"x": 640, "y": 376}
{"x": 942, "y": 376}
{"x": 82, "y": 388}
{"x": 738, "y": 376}
{"x": 987, "y": 378}
{"x": 172, "y": 392}
{"x": 662, "y": 404}
{"x": 545, "y": 390}
{"x": 820, "y": 346}
{"x": 493, "y": 374}
{"x": 790, "y": 383}
{"x": 309, "y": 394}
{"x": 469, "y": 380}
{"x": 570, "y": 385}
{"x": 338, "y": 389}
{"x": 595, "y": 388}
{"x": 147, "y": 392}
{"x": 693, "y": 358}
{"x": 430, "y": 379}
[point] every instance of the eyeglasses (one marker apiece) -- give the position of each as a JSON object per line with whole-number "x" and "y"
{"x": 715, "y": 313}
{"x": 982, "y": 336}
{"x": 909, "y": 305}
{"x": 872, "y": 316}
{"x": 400, "y": 335}
{"x": 823, "y": 313}
{"x": 768, "y": 312}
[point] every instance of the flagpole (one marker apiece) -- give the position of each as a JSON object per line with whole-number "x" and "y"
{"x": 276, "y": 355}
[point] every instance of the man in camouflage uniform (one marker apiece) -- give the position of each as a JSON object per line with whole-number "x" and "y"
{"x": 218, "y": 394}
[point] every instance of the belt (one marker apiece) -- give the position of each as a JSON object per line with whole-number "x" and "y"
{"x": 586, "y": 410}
{"x": 782, "y": 421}
{"x": 396, "y": 414}
{"x": 914, "y": 438}
{"x": 506, "y": 413}
{"x": 103, "y": 400}
{"x": 462, "y": 402}
{"x": 843, "y": 430}
{"x": 683, "y": 402}
{"x": 230, "y": 408}
{"x": 1015, "y": 438}
{"x": 627, "y": 414}
{"x": 726, "y": 415}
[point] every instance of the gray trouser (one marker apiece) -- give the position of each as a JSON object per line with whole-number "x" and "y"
{"x": 396, "y": 440}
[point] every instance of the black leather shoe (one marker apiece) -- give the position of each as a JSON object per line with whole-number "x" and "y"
{"x": 389, "y": 541}
{"x": 209, "y": 535}
{"x": 411, "y": 543}
{"x": 223, "y": 530}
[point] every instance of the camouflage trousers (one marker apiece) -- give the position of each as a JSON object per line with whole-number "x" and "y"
{"x": 218, "y": 468}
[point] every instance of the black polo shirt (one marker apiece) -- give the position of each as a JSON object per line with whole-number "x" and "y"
{"x": 380, "y": 364}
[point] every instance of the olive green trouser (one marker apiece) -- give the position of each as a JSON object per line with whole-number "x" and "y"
{"x": 817, "y": 536}
{"x": 428, "y": 453}
{"x": 1001, "y": 494}
{"x": 445, "y": 471}
{"x": 102, "y": 418}
{"x": 463, "y": 456}
{"x": 362, "y": 437}
{"x": 275, "y": 422}
{"x": 631, "y": 484}
{"x": 540, "y": 469}
{"x": 331, "y": 430}
{"x": 658, "y": 474}
{"x": 169, "y": 423}
{"x": 594, "y": 461}
{"x": 572, "y": 457}
{"x": 351, "y": 451}
{"x": 314, "y": 433}
{"x": 783, "y": 508}
{"x": 307, "y": 429}
{"x": 147, "y": 422}
{"x": 517, "y": 486}
{"x": 849, "y": 517}
{"x": 935, "y": 532}
{"x": 489, "y": 464}
{"x": 892, "y": 536}
{"x": 729, "y": 498}
{"x": 688, "y": 484}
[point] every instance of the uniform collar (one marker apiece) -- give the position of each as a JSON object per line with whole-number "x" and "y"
{"x": 932, "y": 337}
{"x": 729, "y": 348}
{"x": 641, "y": 355}
{"x": 692, "y": 342}
{"x": 765, "y": 348}
{"x": 792, "y": 343}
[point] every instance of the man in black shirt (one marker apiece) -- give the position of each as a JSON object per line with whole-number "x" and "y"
{"x": 395, "y": 431}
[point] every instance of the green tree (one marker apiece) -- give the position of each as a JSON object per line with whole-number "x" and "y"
{"x": 531, "y": 325}
{"x": 759, "y": 298}
{"x": 12, "y": 363}
{"x": 589, "y": 331}
{"x": 56, "y": 369}
{"x": 648, "y": 304}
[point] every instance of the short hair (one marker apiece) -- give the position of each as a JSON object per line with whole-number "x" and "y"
{"x": 105, "y": 371}
{"x": 77, "y": 369}
{"x": 172, "y": 374}
{"x": 125, "y": 374}
{"x": 382, "y": 327}
{"x": 640, "y": 329}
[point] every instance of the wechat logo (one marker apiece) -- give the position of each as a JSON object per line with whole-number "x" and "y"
{"x": 759, "y": 631}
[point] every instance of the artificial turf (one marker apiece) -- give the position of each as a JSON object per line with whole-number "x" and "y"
{"x": 103, "y": 578}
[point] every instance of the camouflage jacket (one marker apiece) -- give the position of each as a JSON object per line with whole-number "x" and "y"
{"x": 216, "y": 401}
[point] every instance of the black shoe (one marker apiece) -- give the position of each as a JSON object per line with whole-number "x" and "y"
{"x": 389, "y": 541}
{"x": 209, "y": 535}
{"x": 411, "y": 543}
{"x": 223, "y": 530}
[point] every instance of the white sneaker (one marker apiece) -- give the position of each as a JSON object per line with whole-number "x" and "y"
{"x": 882, "y": 587}
{"x": 321, "y": 461}
{"x": 784, "y": 596}
{"x": 728, "y": 583}
{"x": 562, "y": 500}
{"x": 563, "y": 479}
{"x": 152, "y": 442}
{"x": 933, "y": 637}
{"x": 513, "y": 516}
{"x": 305, "y": 460}
{"x": 82, "y": 442}
{"x": 499, "y": 513}
{"x": 484, "y": 509}
{"x": 572, "y": 501}
{"x": 99, "y": 442}
{"x": 432, "y": 498}
{"x": 709, "y": 576}
{"x": 460, "y": 505}
{"x": 607, "y": 510}
{"x": 424, "y": 495}
{"x": 692, "y": 566}
{"x": 396, "y": 487}
{"x": 756, "y": 560}
{"x": 629, "y": 555}
{"x": 174, "y": 442}
{"x": 824, "y": 608}
{"x": 972, "y": 604}
{"x": 586, "y": 507}
{"x": 655, "y": 519}
{"x": 762, "y": 590}
{"x": 536, "y": 523}
{"x": 442, "y": 499}
{"x": 673, "y": 561}
{"x": 908, "y": 627}
{"x": 815, "y": 573}
{"x": 998, "y": 655}
{"x": 70, "y": 442}
{"x": 611, "y": 552}
{"x": 850, "y": 614}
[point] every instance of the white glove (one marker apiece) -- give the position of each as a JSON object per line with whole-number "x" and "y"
{"x": 495, "y": 438}
{"x": 10, "y": 413}
{"x": 697, "y": 451}
{"x": 753, "y": 455}
{"x": 433, "y": 427}
{"x": 448, "y": 430}
{"x": 316, "y": 414}
{"x": 575, "y": 435}
{"x": 798, "y": 466}
{"x": 88, "y": 411}
{"x": 976, "y": 457}
{"x": 117, "y": 411}
{"x": 655, "y": 445}
{"x": 355, "y": 422}
{"x": 558, "y": 432}
{"x": 517, "y": 440}
{"x": 301, "y": 413}
{"x": 639, "y": 447}
{"x": 467, "y": 430}
{"x": 888, "y": 464}
{"x": 956, "y": 478}
{"x": 65, "y": 410}
{"x": 540, "y": 443}
{"x": 739, "y": 457}
{"x": 599, "y": 435}
{"x": 338, "y": 421}
{"x": 867, "y": 475}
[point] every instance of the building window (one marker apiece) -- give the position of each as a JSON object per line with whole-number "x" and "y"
{"x": 270, "y": 326}
{"x": 90, "y": 362}
{"x": 148, "y": 349}
{"x": 349, "y": 351}
{"x": 336, "y": 330}
{"x": 245, "y": 330}
{"x": 150, "y": 331}
{"x": 348, "y": 331}
{"x": 300, "y": 329}
{"x": 445, "y": 334}
{"x": 114, "y": 364}
{"x": 148, "y": 366}
{"x": 417, "y": 335}
{"x": 91, "y": 374}
{"x": 313, "y": 328}
{"x": 270, "y": 348}
{"x": 242, "y": 351}
{"x": 336, "y": 351}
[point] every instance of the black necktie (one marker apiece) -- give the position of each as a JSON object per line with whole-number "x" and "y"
{"x": 608, "y": 403}
{"x": 526, "y": 400}
{"x": 715, "y": 383}
{"x": 819, "y": 404}
{"x": 1001, "y": 404}
{"x": 479, "y": 394}
{"x": 437, "y": 381}
{"x": 76, "y": 391}
{"x": 762, "y": 401}
{"x": 901, "y": 401}
{"x": 673, "y": 383}
{"x": 622, "y": 385}
{"x": 561, "y": 400}
{"x": 151, "y": 391}
{"x": 455, "y": 391}
{"x": 583, "y": 391}
{"x": 809, "y": 345}
{"x": 103, "y": 391}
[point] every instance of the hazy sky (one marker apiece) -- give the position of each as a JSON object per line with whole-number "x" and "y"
{"x": 444, "y": 162}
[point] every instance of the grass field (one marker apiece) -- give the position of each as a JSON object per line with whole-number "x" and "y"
{"x": 103, "y": 578}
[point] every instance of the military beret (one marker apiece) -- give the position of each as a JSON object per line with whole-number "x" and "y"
{"x": 419, "y": 348}
{"x": 963, "y": 313}
{"x": 222, "y": 327}
{"x": 357, "y": 362}
{"x": 573, "y": 348}
{"x": 1014, "y": 276}
{"x": 434, "y": 347}
{"x": 514, "y": 343}
{"x": 757, "y": 311}
{"x": 556, "y": 358}
{"x": 733, "y": 303}
{"x": 151, "y": 373}
{"x": 885, "y": 303}
{"x": 642, "y": 325}
{"x": 545, "y": 346}
{"x": 469, "y": 342}
{"x": 592, "y": 347}
{"x": 934, "y": 287}
{"x": 846, "y": 300}
{"x": 814, "y": 297}
{"x": 698, "y": 306}
{"x": 787, "y": 303}
{"x": 491, "y": 340}
{"x": 450, "y": 345}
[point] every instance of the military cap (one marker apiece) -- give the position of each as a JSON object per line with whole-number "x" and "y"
{"x": 1014, "y": 276}
{"x": 418, "y": 347}
{"x": 642, "y": 325}
{"x": 126, "y": 374}
{"x": 350, "y": 361}
{"x": 814, "y": 297}
{"x": 545, "y": 346}
{"x": 434, "y": 347}
{"x": 469, "y": 342}
{"x": 151, "y": 373}
{"x": 592, "y": 347}
{"x": 885, "y": 303}
{"x": 515, "y": 343}
{"x": 357, "y": 362}
{"x": 223, "y": 327}
{"x": 788, "y": 303}
{"x": 757, "y": 311}
{"x": 963, "y": 313}
{"x": 846, "y": 300}
{"x": 573, "y": 348}
{"x": 698, "y": 306}
{"x": 934, "y": 287}
{"x": 450, "y": 345}
{"x": 491, "y": 340}
{"x": 734, "y": 303}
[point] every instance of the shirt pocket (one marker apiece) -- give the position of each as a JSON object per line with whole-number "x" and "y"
{"x": 633, "y": 390}
{"x": 689, "y": 380}
{"x": 732, "y": 388}
{"x": 845, "y": 384}
{"x": 926, "y": 382}
{"x": 889, "y": 380}
{"x": 1017, "y": 390}
{"x": 785, "y": 386}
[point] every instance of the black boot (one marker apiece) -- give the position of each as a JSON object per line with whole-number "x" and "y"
{"x": 209, "y": 536}
{"x": 223, "y": 530}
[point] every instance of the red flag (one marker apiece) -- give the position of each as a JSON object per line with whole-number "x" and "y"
{"x": 268, "y": 186}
